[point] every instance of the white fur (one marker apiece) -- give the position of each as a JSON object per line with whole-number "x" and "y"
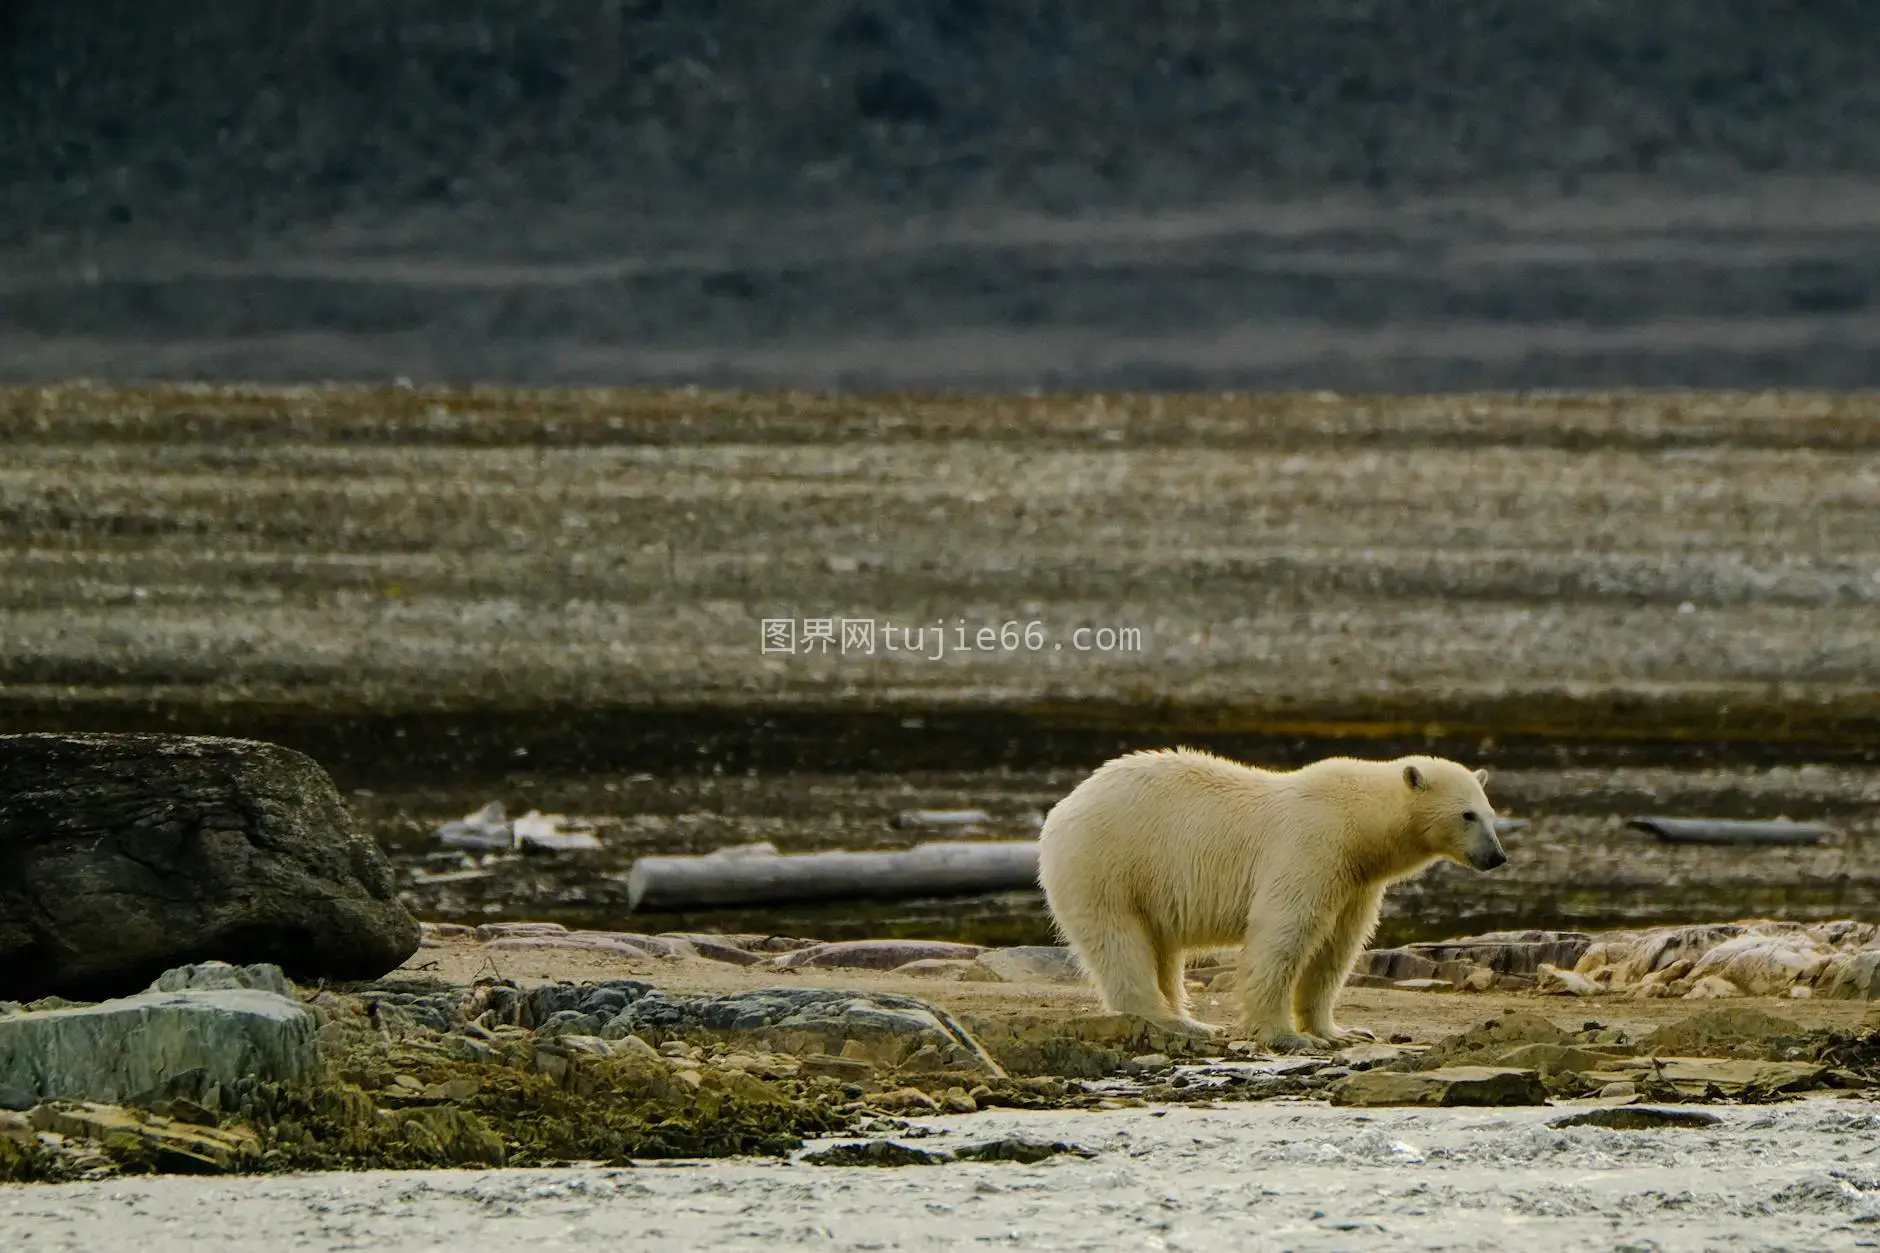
{"x": 1159, "y": 853}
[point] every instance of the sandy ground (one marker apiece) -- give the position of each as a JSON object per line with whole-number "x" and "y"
{"x": 1275, "y": 1176}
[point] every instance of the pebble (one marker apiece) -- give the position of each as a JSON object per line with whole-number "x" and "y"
{"x": 958, "y": 1101}
{"x": 634, "y": 1046}
{"x": 907, "y": 1099}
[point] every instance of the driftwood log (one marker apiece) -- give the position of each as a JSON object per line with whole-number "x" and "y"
{"x": 763, "y": 876}
{"x": 1728, "y": 831}
{"x": 124, "y": 855}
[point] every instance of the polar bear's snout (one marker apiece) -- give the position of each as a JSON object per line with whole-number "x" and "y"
{"x": 1485, "y": 852}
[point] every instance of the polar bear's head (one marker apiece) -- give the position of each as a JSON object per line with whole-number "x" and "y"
{"x": 1452, "y": 812}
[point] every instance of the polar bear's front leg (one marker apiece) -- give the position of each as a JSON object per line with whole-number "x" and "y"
{"x": 1330, "y": 965}
{"x": 1283, "y": 931}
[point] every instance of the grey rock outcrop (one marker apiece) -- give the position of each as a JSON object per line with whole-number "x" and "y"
{"x": 881, "y": 1027}
{"x": 156, "y": 1045}
{"x": 124, "y": 855}
{"x": 222, "y": 977}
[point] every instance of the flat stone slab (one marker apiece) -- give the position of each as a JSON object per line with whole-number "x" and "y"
{"x": 1033, "y": 964}
{"x": 164, "y": 1143}
{"x": 873, "y": 1027}
{"x": 1697, "y": 1075}
{"x": 1447, "y": 1086}
{"x": 154, "y": 1045}
{"x": 876, "y": 954}
{"x": 584, "y": 941}
{"x": 1639, "y": 1118}
{"x": 1559, "y": 1058}
{"x": 881, "y": 1027}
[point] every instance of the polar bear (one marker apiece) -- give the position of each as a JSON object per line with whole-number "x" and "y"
{"x": 1168, "y": 850}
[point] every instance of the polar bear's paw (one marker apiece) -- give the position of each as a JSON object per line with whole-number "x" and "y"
{"x": 1192, "y": 1027}
{"x": 1342, "y": 1037}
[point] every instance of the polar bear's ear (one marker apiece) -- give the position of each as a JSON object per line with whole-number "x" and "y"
{"x": 1481, "y": 777}
{"x": 1414, "y": 778}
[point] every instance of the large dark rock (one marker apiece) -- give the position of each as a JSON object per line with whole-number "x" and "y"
{"x": 122, "y": 856}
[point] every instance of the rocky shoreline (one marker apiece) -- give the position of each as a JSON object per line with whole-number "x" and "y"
{"x": 691, "y": 1047}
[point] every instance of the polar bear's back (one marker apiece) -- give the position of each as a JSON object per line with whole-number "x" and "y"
{"x": 1178, "y": 835}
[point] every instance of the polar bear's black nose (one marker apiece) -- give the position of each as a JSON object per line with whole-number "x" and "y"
{"x": 1495, "y": 858}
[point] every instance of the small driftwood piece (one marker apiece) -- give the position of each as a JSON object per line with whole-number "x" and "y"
{"x": 1729, "y": 831}
{"x": 756, "y": 876}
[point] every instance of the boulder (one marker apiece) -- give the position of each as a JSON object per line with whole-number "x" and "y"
{"x": 1033, "y": 964}
{"x": 1712, "y": 988}
{"x": 1394, "y": 964}
{"x": 953, "y": 969}
{"x": 156, "y": 1046}
{"x": 1857, "y": 978}
{"x": 1089, "y": 1046}
{"x": 1638, "y": 1118}
{"x": 1021, "y": 1149}
{"x": 124, "y": 855}
{"x": 874, "y": 1153}
{"x": 1365, "y": 1056}
{"x": 222, "y": 977}
{"x": 1765, "y": 965}
{"x": 1553, "y": 981}
{"x": 1758, "y": 957}
{"x": 1630, "y": 956}
{"x": 1508, "y": 952}
{"x": 1448, "y": 1086}
{"x": 716, "y": 948}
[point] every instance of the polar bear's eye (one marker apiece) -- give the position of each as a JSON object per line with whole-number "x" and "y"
{"x": 1468, "y": 815}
